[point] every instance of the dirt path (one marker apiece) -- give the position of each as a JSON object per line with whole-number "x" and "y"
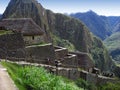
{"x": 6, "y": 82}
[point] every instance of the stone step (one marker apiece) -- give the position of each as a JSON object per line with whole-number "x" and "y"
{"x": 60, "y": 52}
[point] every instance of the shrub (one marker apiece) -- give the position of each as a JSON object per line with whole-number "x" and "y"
{"x": 84, "y": 84}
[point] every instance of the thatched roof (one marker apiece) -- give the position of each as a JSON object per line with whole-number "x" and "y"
{"x": 26, "y": 26}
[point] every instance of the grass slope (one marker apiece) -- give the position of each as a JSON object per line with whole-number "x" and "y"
{"x": 36, "y": 78}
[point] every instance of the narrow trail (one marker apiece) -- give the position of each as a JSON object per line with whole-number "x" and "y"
{"x": 6, "y": 82}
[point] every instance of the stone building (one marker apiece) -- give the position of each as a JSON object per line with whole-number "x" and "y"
{"x": 32, "y": 33}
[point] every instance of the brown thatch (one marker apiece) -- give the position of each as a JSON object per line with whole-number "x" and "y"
{"x": 26, "y": 26}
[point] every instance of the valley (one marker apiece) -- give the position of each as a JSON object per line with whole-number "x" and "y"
{"x": 106, "y": 28}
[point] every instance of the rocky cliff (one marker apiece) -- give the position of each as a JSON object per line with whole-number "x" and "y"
{"x": 61, "y": 30}
{"x": 28, "y": 9}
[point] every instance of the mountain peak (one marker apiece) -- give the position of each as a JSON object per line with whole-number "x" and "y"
{"x": 22, "y": 8}
{"x": 91, "y": 12}
{"x": 25, "y": 1}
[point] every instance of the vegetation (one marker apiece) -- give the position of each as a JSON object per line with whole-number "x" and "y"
{"x": 13, "y": 72}
{"x": 36, "y": 78}
{"x": 84, "y": 84}
{"x": 113, "y": 45}
{"x": 39, "y": 44}
{"x": 89, "y": 86}
{"x": 110, "y": 86}
{"x": 3, "y": 32}
{"x": 63, "y": 43}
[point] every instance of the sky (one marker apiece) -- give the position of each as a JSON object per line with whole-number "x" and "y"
{"x": 101, "y": 7}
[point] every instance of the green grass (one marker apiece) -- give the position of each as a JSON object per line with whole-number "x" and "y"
{"x": 110, "y": 86}
{"x": 37, "y": 78}
{"x": 84, "y": 84}
{"x": 3, "y": 32}
{"x": 13, "y": 72}
{"x": 89, "y": 86}
{"x": 113, "y": 42}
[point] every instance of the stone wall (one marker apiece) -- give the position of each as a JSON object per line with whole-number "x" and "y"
{"x": 60, "y": 52}
{"x": 40, "y": 53}
{"x": 74, "y": 74}
{"x": 95, "y": 79}
{"x": 70, "y": 61}
{"x": 12, "y": 45}
{"x": 84, "y": 60}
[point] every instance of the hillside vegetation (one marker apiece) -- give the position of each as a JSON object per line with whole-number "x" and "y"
{"x": 113, "y": 45}
{"x": 106, "y": 28}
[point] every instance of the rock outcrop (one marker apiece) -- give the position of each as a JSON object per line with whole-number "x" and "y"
{"x": 58, "y": 26}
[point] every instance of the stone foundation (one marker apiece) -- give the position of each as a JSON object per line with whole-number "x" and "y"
{"x": 12, "y": 45}
{"x": 40, "y": 54}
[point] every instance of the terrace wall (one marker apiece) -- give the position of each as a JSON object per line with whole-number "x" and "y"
{"x": 12, "y": 45}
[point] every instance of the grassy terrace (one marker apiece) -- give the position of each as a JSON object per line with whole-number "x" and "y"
{"x": 39, "y": 44}
{"x": 36, "y": 78}
{"x": 3, "y": 32}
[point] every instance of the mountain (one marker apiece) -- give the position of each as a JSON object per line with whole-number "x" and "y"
{"x": 101, "y": 26}
{"x": 0, "y": 16}
{"x": 114, "y": 23}
{"x": 61, "y": 30}
{"x": 106, "y": 28}
{"x": 98, "y": 25}
{"x": 28, "y": 9}
{"x": 113, "y": 41}
{"x": 113, "y": 45}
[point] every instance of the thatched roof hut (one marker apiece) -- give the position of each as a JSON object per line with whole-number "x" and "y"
{"x": 26, "y": 26}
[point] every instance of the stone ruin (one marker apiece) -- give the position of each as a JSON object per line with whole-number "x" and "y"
{"x": 56, "y": 59}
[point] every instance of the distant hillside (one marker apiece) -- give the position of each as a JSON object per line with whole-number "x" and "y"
{"x": 61, "y": 30}
{"x": 105, "y": 28}
{"x": 114, "y": 22}
{"x": 98, "y": 25}
{"x": 0, "y": 16}
{"x": 101, "y": 26}
{"x": 113, "y": 45}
